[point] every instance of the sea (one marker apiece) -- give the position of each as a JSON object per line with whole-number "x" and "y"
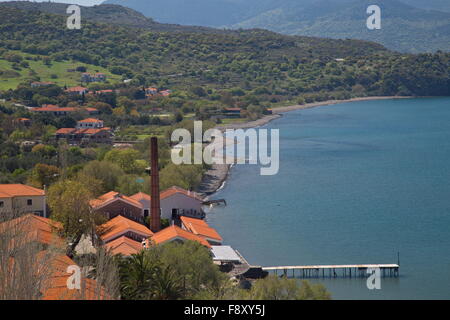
{"x": 359, "y": 183}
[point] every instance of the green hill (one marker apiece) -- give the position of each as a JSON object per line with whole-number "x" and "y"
{"x": 408, "y": 25}
{"x": 264, "y": 66}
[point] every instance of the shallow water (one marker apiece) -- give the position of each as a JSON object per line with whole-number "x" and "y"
{"x": 358, "y": 183}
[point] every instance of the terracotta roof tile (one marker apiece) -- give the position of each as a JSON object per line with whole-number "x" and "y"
{"x": 20, "y": 190}
{"x": 200, "y": 228}
{"x": 119, "y": 226}
{"x": 173, "y": 233}
{"x": 124, "y": 246}
{"x": 110, "y": 196}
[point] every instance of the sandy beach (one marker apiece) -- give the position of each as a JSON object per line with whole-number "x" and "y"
{"x": 217, "y": 175}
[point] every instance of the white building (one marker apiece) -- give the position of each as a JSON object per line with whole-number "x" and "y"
{"x": 174, "y": 201}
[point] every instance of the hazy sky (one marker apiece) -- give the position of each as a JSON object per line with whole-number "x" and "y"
{"x": 80, "y": 2}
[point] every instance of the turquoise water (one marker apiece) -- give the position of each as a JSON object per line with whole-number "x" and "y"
{"x": 358, "y": 182}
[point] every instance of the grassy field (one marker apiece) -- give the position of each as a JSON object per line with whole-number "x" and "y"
{"x": 55, "y": 72}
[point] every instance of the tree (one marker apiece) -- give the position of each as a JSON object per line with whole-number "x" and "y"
{"x": 275, "y": 288}
{"x": 69, "y": 204}
{"x": 43, "y": 175}
{"x": 106, "y": 172}
{"x": 127, "y": 159}
{"x": 185, "y": 176}
{"x": 168, "y": 272}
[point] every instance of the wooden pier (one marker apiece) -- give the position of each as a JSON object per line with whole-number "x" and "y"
{"x": 334, "y": 271}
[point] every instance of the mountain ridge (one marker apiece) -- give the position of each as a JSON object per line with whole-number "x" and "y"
{"x": 407, "y": 25}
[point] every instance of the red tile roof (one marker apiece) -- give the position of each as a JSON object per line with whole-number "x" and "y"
{"x": 90, "y": 120}
{"x": 19, "y": 190}
{"x": 140, "y": 196}
{"x": 176, "y": 233}
{"x": 200, "y": 228}
{"x": 76, "y": 89}
{"x": 110, "y": 197}
{"x": 121, "y": 225}
{"x": 166, "y": 194}
{"x": 55, "y": 287}
{"x": 53, "y": 109}
{"x": 65, "y": 130}
{"x": 33, "y": 229}
{"x": 173, "y": 190}
{"x": 124, "y": 246}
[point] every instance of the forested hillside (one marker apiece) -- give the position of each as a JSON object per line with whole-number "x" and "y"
{"x": 264, "y": 62}
{"x": 408, "y": 25}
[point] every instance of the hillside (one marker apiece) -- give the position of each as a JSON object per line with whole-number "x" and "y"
{"x": 404, "y": 28}
{"x": 408, "y": 25}
{"x": 112, "y": 14}
{"x": 260, "y": 66}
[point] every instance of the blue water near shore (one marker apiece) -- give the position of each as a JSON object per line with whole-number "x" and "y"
{"x": 358, "y": 182}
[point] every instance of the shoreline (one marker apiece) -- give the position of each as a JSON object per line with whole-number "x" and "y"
{"x": 215, "y": 178}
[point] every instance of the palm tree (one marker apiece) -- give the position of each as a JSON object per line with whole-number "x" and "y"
{"x": 136, "y": 276}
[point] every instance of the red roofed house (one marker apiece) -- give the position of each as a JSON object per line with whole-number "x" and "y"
{"x": 77, "y": 90}
{"x": 90, "y": 123}
{"x": 62, "y": 111}
{"x": 175, "y": 202}
{"x": 87, "y": 131}
{"x": 113, "y": 204}
{"x": 150, "y": 92}
{"x": 26, "y": 122}
{"x": 124, "y": 246}
{"x": 175, "y": 233}
{"x": 201, "y": 228}
{"x": 121, "y": 226}
{"x": 19, "y": 198}
{"x": 53, "y": 109}
{"x": 52, "y": 272}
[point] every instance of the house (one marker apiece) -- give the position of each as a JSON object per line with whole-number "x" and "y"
{"x": 106, "y": 91}
{"x": 19, "y": 199}
{"x": 201, "y": 228}
{"x": 56, "y": 288}
{"x": 77, "y": 90}
{"x": 175, "y": 233}
{"x": 175, "y": 202}
{"x": 87, "y": 131}
{"x": 85, "y": 136}
{"x": 149, "y": 92}
{"x": 90, "y": 123}
{"x": 53, "y": 109}
{"x": 122, "y": 227}
{"x": 165, "y": 93}
{"x": 124, "y": 246}
{"x": 37, "y": 84}
{"x": 232, "y": 112}
{"x": 26, "y": 122}
{"x": 31, "y": 228}
{"x": 96, "y": 77}
{"x": 53, "y": 280}
{"x": 113, "y": 204}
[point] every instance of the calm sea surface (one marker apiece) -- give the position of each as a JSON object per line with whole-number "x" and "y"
{"x": 358, "y": 182}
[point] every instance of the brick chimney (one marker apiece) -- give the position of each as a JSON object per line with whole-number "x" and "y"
{"x": 155, "y": 207}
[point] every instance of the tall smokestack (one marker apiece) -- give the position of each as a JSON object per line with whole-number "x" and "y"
{"x": 155, "y": 210}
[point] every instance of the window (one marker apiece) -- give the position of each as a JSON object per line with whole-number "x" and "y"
{"x": 2, "y": 204}
{"x": 29, "y": 202}
{"x": 145, "y": 213}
